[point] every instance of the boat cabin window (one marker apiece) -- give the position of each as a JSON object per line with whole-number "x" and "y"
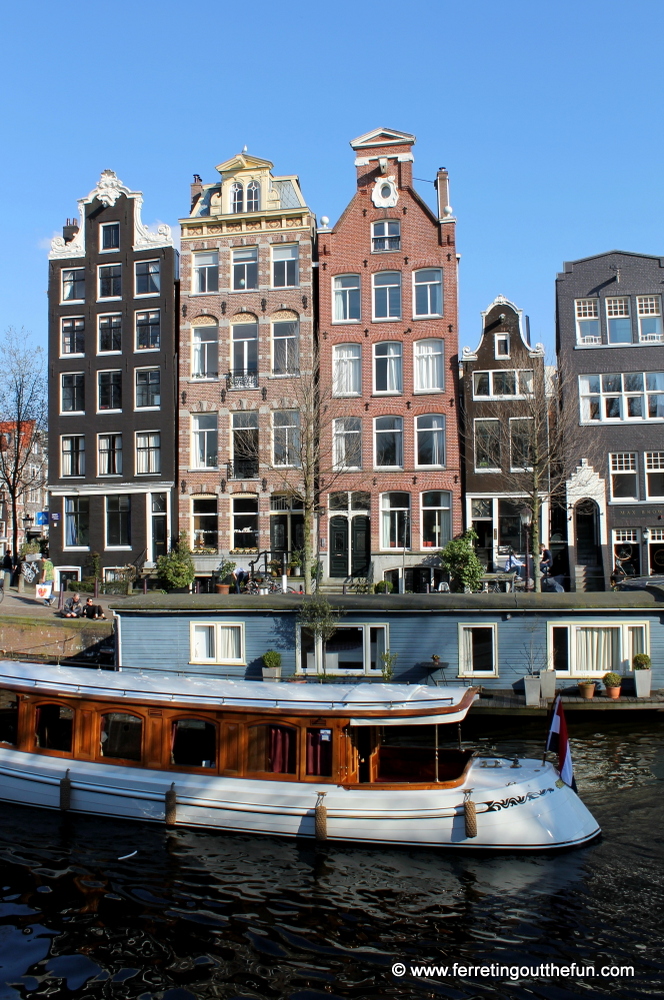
{"x": 53, "y": 727}
{"x": 410, "y": 754}
{"x": 272, "y": 748}
{"x": 193, "y": 743}
{"x": 319, "y": 752}
{"x": 121, "y": 736}
{"x": 8, "y": 716}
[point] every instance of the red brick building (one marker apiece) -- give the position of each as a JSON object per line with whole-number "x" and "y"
{"x": 246, "y": 345}
{"x": 388, "y": 357}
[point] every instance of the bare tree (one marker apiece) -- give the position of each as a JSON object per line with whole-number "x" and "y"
{"x": 22, "y": 420}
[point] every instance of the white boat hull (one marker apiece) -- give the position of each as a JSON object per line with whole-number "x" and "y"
{"x": 524, "y": 808}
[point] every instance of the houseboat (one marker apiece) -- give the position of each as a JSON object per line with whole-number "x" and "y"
{"x": 370, "y": 763}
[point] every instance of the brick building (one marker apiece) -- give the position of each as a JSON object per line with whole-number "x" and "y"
{"x": 246, "y": 336}
{"x": 388, "y": 357}
{"x": 111, "y": 386}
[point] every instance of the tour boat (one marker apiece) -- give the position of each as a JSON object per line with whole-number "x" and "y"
{"x": 326, "y": 761}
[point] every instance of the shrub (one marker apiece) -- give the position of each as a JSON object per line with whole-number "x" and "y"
{"x": 383, "y": 587}
{"x": 459, "y": 559}
{"x": 177, "y": 567}
{"x": 641, "y": 661}
{"x": 271, "y": 659}
{"x": 612, "y": 680}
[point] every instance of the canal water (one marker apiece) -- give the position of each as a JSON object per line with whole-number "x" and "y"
{"x": 198, "y": 915}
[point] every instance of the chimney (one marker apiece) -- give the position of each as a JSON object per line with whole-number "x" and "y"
{"x": 69, "y": 230}
{"x": 443, "y": 189}
{"x": 196, "y": 189}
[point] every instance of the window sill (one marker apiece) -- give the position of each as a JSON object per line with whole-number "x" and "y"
{"x": 117, "y": 548}
{"x": 146, "y": 409}
{"x": 428, "y": 316}
{"x": 387, "y": 319}
{"x": 64, "y": 357}
{"x": 106, "y": 354}
{"x": 73, "y": 413}
{"x": 109, "y": 298}
{"x": 394, "y": 250}
{"x": 219, "y": 663}
{"x": 100, "y": 412}
{"x": 492, "y": 471}
{"x": 388, "y": 468}
{"x": 76, "y": 548}
{"x": 147, "y": 295}
{"x": 146, "y": 350}
{"x": 72, "y": 302}
{"x": 480, "y": 673}
{"x": 346, "y": 322}
{"x": 428, "y": 392}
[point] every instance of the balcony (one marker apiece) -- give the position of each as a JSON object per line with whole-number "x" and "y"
{"x": 242, "y": 468}
{"x": 242, "y": 378}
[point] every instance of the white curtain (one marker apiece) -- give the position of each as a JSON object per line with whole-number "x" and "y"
{"x": 347, "y": 369}
{"x": 597, "y": 650}
{"x": 429, "y": 364}
{"x": 204, "y": 642}
{"x": 229, "y": 642}
{"x": 394, "y": 367}
{"x": 467, "y": 650}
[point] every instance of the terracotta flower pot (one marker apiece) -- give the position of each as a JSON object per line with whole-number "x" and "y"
{"x": 223, "y": 588}
{"x": 587, "y": 690}
{"x": 613, "y": 692}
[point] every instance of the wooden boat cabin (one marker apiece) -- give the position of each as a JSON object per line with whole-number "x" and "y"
{"x": 367, "y": 734}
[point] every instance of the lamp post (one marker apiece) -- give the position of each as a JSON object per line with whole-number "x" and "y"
{"x": 526, "y": 520}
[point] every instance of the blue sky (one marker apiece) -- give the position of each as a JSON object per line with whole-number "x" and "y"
{"x": 548, "y": 117}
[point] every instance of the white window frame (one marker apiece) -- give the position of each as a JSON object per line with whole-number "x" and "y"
{"x": 203, "y": 348}
{"x": 386, "y": 236}
{"x": 71, "y": 319}
{"x": 100, "y": 317}
{"x": 317, "y": 666}
{"x": 392, "y": 416}
{"x": 429, "y": 430}
{"x": 465, "y": 669}
{"x": 649, "y": 307}
{"x": 397, "y": 359}
{"x": 216, "y": 627}
{"x": 417, "y": 356}
{"x": 63, "y": 300}
{"x": 253, "y": 186}
{"x": 513, "y": 467}
{"x": 519, "y": 380}
{"x": 142, "y": 312}
{"x": 293, "y": 439}
{"x": 295, "y": 257}
{"x": 622, "y": 395}
{"x": 116, "y": 548}
{"x": 147, "y": 295}
{"x": 242, "y": 265}
{"x": 109, "y": 434}
{"x": 653, "y": 462}
{"x": 79, "y": 452}
{"x": 385, "y": 535}
{"x": 624, "y": 463}
{"x": 587, "y": 310}
{"x": 149, "y": 451}
{"x": 430, "y": 284}
{"x": 614, "y": 311}
{"x": 488, "y": 468}
{"x": 397, "y": 284}
{"x": 604, "y": 623}
{"x": 339, "y": 443}
{"x": 108, "y": 298}
{"x": 441, "y": 542}
{"x": 292, "y": 347}
{"x": 67, "y": 413}
{"x": 355, "y": 365}
{"x": 501, "y": 338}
{"x": 102, "y": 227}
{"x": 342, "y": 295}
{"x": 65, "y": 514}
{"x": 198, "y": 270}
{"x": 153, "y": 406}
{"x": 195, "y": 436}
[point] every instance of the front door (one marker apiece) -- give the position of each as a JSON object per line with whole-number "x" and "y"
{"x": 360, "y": 546}
{"x": 587, "y": 533}
{"x": 339, "y": 547}
{"x": 158, "y": 536}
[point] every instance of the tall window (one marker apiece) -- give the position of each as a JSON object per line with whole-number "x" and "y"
{"x": 286, "y": 437}
{"x": 245, "y": 522}
{"x": 205, "y": 352}
{"x": 487, "y": 445}
{"x": 347, "y": 437}
{"x": 215, "y": 643}
{"x": 245, "y": 268}
{"x": 110, "y": 281}
{"x": 110, "y": 454}
{"x": 110, "y": 236}
{"x": 73, "y": 393}
{"x": 347, "y": 370}
{"x": 436, "y": 518}
{"x": 253, "y": 196}
{"x": 73, "y": 455}
{"x": 148, "y": 387}
{"x": 284, "y": 266}
{"x": 118, "y": 520}
{"x": 73, "y": 335}
{"x": 618, "y": 321}
{"x": 388, "y": 367}
{"x": 206, "y": 272}
{"x": 629, "y": 396}
{"x": 395, "y": 520}
{"x": 587, "y": 321}
{"x": 147, "y": 277}
{"x": 386, "y": 235}
{"x": 206, "y": 531}
{"x": 429, "y": 365}
{"x": 121, "y": 736}
{"x": 428, "y": 292}
{"x": 148, "y": 330}
{"x": 245, "y": 444}
{"x": 204, "y": 441}
{"x": 148, "y": 453}
{"x": 73, "y": 284}
{"x": 110, "y": 333}
{"x": 245, "y": 356}
{"x": 477, "y": 649}
{"x": 522, "y": 430}
{"x": 430, "y": 428}
{"x": 655, "y": 474}
{"x": 77, "y": 522}
{"x": 389, "y": 442}
{"x": 504, "y": 383}
{"x": 649, "y": 309}
{"x": 387, "y": 295}
{"x": 624, "y": 476}
{"x": 237, "y": 198}
{"x": 347, "y": 306}
{"x": 285, "y": 348}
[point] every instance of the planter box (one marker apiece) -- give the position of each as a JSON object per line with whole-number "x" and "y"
{"x": 531, "y": 686}
{"x": 642, "y": 683}
{"x": 548, "y": 683}
{"x": 271, "y": 673}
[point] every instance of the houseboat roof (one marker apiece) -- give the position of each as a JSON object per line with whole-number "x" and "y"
{"x": 368, "y": 704}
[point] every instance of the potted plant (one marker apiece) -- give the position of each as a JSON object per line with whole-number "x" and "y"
{"x": 586, "y": 688}
{"x": 533, "y": 690}
{"x": 224, "y": 578}
{"x": 295, "y": 564}
{"x": 271, "y": 665}
{"x": 612, "y": 683}
{"x": 176, "y": 568}
{"x": 642, "y": 675}
{"x": 383, "y": 587}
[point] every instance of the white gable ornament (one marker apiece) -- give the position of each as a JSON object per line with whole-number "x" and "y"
{"x": 385, "y": 194}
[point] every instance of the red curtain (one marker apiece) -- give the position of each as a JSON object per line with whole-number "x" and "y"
{"x": 282, "y": 749}
{"x": 319, "y": 752}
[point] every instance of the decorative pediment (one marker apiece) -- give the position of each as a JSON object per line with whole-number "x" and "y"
{"x": 383, "y": 137}
{"x": 243, "y": 161}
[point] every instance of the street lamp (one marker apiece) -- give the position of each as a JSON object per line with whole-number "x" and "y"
{"x": 526, "y": 516}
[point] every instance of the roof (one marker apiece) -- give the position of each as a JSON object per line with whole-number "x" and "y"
{"x": 211, "y": 691}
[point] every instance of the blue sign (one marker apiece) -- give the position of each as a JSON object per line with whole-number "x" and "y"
{"x": 41, "y": 517}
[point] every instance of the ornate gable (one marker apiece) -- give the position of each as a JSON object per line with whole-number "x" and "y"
{"x": 383, "y": 137}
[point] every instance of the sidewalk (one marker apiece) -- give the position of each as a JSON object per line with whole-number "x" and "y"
{"x": 25, "y": 605}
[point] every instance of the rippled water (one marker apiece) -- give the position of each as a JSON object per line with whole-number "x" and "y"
{"x": 213, "y": 915}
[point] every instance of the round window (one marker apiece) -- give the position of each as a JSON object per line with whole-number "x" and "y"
{"x": 385, "y": 191}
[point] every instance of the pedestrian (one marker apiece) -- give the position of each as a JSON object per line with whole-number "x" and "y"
{"x": 48, "y": 576}
{"x": 8, "y": 568}
{"x": 72, "y": 608}
{"x": 91, "y": 610}
{"x": 239, "y": 575}
{"x": 546, "y": 560}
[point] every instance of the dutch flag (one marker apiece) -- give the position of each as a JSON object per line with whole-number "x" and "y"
{"x": 558, "y": 741}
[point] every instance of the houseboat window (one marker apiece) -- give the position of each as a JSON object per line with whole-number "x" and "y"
{"x": 319, "y": 752}
{"x": 596, "y": 648}
{"x": 8, "y": 717}
{"x": 53, "y": 727}
{"x": 409, "y": 753}
{"x": 193, "y": 743}
{"x": 350, "y": 649}
{"x": 214, "y": 643}
{"x": 272, "y": 748}
{"x": 477, "y": 645}
{"x": 121, "y": 736}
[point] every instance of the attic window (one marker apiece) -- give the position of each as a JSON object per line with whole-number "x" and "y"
{"x": 502, "y": 345}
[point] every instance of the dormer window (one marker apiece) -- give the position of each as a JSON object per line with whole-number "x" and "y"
{"x": 110, "y": 236}
{"x": 237, "y": 197}
{"x": 502, "y": 345}
{"x": 253, "y": 196}
{"x": 385, "y": 236}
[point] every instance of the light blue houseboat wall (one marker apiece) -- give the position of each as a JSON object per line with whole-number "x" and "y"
{"x": 155, "y": 633}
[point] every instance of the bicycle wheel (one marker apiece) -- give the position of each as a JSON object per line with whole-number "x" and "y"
{"x": 2, "y": 591}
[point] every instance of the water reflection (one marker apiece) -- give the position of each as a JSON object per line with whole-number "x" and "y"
{"x": 200, "y": 915}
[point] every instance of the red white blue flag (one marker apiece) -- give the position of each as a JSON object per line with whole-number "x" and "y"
{"x": 558, "y": 741}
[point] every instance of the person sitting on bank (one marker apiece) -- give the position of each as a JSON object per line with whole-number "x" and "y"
{"x": 73, "y": 607}
{"x": 546, "y": 560}
{"x": 91, "y": 610}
